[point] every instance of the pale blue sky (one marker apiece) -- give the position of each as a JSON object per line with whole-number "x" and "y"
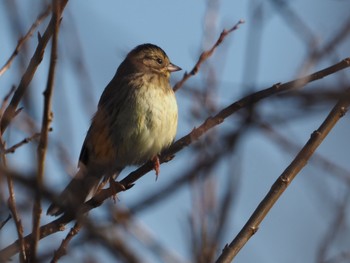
{"x": 109, "y": 29}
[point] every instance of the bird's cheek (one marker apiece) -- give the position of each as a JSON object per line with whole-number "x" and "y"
{"x": 166, "y": 73}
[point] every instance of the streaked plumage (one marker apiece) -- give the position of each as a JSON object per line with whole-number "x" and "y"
{"x": 136, "y": 119}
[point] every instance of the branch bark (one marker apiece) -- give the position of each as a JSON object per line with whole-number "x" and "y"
{"x": 205, "y": 55}
{"x": 128, "y": 181}
{"x": 47, "y": 118}
{"x": 27, "y": 77}
{"x": 23, "y": 39}
{"x": 281, "y": 184}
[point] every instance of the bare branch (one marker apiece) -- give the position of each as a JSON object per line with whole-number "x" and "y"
{"x": 280, "y": 185}
{"x": 12, "y": 199}
{"x": 23, "y": 39}
{"x": 231, "y": 109}
{"x": 18, "y": 222}
{"x": 206, "y": 54}
{"x": 115, "y": 244}
{"x": 5, "y": 100}
{"x": 13, "y": 148}
{"x": 47, "y": 118}
{"x": 127, "y": 182}
{"x": 62, "y": 250}
{"x": 3, "y": 223}
{"x": 334, "y": 229}
{"x": 35, "y": 61}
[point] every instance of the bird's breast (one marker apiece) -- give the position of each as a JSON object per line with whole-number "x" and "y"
{"x": 148, "y": 123}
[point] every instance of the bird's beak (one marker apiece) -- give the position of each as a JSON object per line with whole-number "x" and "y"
{"x": 171, "y": 68}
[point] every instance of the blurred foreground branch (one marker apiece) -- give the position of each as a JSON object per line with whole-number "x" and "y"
{"x": 35, "y": 61}
{"x": 45, "y": 128}
{"x": 23, "y": 39}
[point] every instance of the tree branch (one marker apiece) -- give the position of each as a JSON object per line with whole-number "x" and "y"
{"x": 62, "y": 250}
{"x": 35, "y": 61}
{"x": 47, "y": 118}
{"x": 127, "y": 182}
{"x": 281, "y": 184}
{"x": 205, "y": 55}
{"x": 23, "y": 39}
{"x": 14, "y": 147}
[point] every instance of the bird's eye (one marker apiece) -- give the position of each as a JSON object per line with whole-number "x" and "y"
{"x": 160, "y": 61}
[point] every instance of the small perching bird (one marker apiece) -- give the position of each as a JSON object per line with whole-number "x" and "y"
{"x": 135, "y": 121}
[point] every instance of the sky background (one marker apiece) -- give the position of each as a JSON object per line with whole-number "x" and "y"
{"x": 263, "y": 51}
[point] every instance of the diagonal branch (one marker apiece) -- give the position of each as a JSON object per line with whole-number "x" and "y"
{"x": 3, "y": 223}
{"x": 284, "y": 180}
{"x": 62, "y": 250}
{"x": 27, "y": 77}
{"x": 23, "y": 39}
{"x": 127, "y": 182}
{"x": 205, "y": 55}
{"x": 247, "y": 101}
{"x": 14, "y": 147}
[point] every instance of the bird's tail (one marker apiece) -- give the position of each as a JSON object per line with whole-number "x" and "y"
{"x": 76, "y": 192}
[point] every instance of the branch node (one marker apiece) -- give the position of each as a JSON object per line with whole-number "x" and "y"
{"x": 285, "y": 179}
{"x": 315, "y": 134}
{"x": 39, "y": 37}
{"x": 254, "y": 229}
{"x": 62, "y": 227}
{"x": 18, "y": 111}
{"x": 277, "y": 85}
{"x": 343, "y": 111}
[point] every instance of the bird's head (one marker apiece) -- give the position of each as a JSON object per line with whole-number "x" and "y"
{"x": 150, "y": 58}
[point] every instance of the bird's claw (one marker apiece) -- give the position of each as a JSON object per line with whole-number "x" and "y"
{"x": 115, "y": 187}
{"x": 156, "y": 165}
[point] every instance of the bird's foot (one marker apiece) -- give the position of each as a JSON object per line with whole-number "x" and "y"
{"x": 115, "y": 187}
{"x": 156, "y": 165}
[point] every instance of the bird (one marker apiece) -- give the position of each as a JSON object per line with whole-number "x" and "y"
{"x": 136, "y": 119}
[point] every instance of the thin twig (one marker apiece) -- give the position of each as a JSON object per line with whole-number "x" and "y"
{"x": 12, "y": 199}
{"x": 316, "y": 54}
{"x": 205, "y": 55}
{"x": 147, "y": 238}
{"x": 334, "y": 42}
{"x": 18, "y": 222}
{"x": 295, "y": 22}
{"x": 5, "y": 100}
{"x": 114, "y": 243}
{"x": 23, "y": 39}
{"x": 335, "y": 230}
{"x": 3, "y": 223}
{"x": 47, "y": 118}
{"x": 34, "y": 63}
{"x": 14, "y": 147}
{"x": 283, "y": 181}
{"x": 62, "y": 250}
{"x": 58, "y": 224}
{"x": 333, "y": 169}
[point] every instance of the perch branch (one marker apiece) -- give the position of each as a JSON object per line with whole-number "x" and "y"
{"x": 127, "y": 182}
